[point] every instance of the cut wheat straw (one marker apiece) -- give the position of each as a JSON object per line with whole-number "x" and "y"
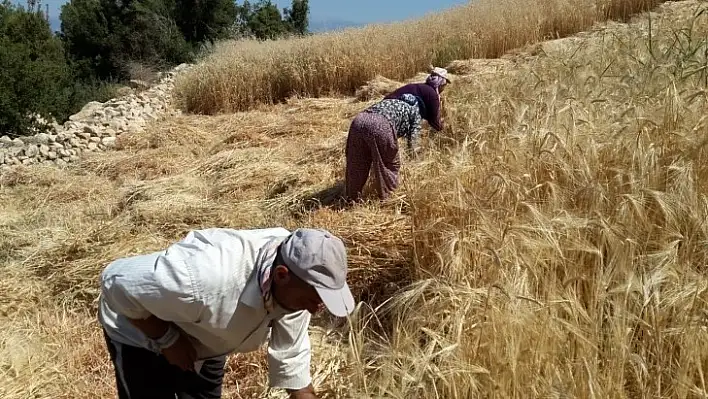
{"x": 550, "y": 242}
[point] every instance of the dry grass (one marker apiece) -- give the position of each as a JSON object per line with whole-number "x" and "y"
{"x": 551, "y": 242}
{"x": 242, "y": 74}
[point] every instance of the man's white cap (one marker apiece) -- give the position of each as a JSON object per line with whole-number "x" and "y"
{"x": 320, "y": 260}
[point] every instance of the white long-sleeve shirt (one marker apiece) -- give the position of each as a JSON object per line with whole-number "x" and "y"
{"x": 206, "y": 284}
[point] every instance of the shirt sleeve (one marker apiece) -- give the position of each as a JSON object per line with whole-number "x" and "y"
{"x": 122, "y": 294}
{"x": 165, "y": 289}
{"x": 289, "y": 352}
{"x": 163, "y": 284}
{"x": 432, "y": 100}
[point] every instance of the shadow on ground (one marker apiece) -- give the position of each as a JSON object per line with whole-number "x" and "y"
{"x": 330, "y": 197}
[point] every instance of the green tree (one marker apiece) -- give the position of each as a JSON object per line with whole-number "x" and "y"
{"x": 89, "y": 38}
{"x": 149, "y": 35}
{"x": 265, "y": 21}
{"x": 205, "y": 20}
{"x": 104, "y": 37}
{"x": 33, "y": 71}
{"x": 243, "y": 15}
{"x": 297, "y": 17}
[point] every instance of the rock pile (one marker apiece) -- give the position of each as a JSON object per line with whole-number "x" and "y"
{"x": 94, "y": 128}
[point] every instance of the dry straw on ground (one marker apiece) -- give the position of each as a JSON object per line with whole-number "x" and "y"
{"x": 554, "y": 235}
{"x": 242, "y": 74}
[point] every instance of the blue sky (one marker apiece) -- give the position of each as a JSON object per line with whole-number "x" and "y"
{"x": 335, "y": 12}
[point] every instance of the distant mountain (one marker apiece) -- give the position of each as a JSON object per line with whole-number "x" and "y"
{"x": 324, "y": 25}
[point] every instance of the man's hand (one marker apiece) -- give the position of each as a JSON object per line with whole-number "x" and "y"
{"x": 152, "y": 326}
{"x": 181, "y": 354}
{"x": 305, "y": 393}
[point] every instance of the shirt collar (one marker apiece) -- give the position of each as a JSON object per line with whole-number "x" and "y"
{"x": 251, "y": 294}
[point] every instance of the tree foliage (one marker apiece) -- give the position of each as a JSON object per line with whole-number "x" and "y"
{"x": 205, "y": 20}
{"x": 263, "y": 20}
{"x": 103, "y": 37}
{"x": 297, "y": 17}
{"x": 52, "y": 76}
{"x": 32, "y": 70}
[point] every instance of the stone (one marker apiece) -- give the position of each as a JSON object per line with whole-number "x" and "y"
{"x": 31, "y": 150}
{"x": 118, "y": 125}
{"x": 5, "y": 140}
{"x": 86, "y": 112}
{"x": 51, "y": 155}
{"x": 63, "y": 152}
{"x": 56, "y": 146}
{"x": 111, "y": 113}
{"x": 17, "y": 142}
{"x": 52, "y": 138}
{"x": 71, "y": 125}
{"x": 109, "y": 142}
{"x": 109, "y": 132}
{"x": 139, "y": 84}
{"x": 84, "y": 136}
{"x": 95, "y": 139}
{"x": 29, "y": 139}
{"x": 28, "y": 161}
{"x": 133, "y": 126}
{"x": 64, "y": 136}
{"x": 42, "y": 138}
{"x": 124, "y": 91}
{"x": 44, "y": 150}
{"x": 60, "y": 162}
{"x": 74, "y": 142}
{"x": 181, "y": 67}
{"x": 73, "y": 158}
{"x": 15, "y": 151}
{"x": 92, "y": 146}
{"x": 2, "y": 156}
{"x": 91, "y": 130}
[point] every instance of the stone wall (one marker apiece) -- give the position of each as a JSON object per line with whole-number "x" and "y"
{"x": 94, "y": 128}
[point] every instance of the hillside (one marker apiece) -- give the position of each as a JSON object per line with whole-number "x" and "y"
{"x": 551, "y": 242}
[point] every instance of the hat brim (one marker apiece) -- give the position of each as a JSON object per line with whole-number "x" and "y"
{"x": 339, "y": 302}
{"x": 442, "y": 73}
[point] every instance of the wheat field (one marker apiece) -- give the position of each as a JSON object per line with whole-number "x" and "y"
{"x": 551, "y": 242}
{"x": 240, "y": 75}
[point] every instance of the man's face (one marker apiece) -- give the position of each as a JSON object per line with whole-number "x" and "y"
{"x": 293, "y": 294}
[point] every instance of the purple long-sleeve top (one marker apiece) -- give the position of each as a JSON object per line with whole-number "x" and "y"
{"x": 430, "y": 97}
